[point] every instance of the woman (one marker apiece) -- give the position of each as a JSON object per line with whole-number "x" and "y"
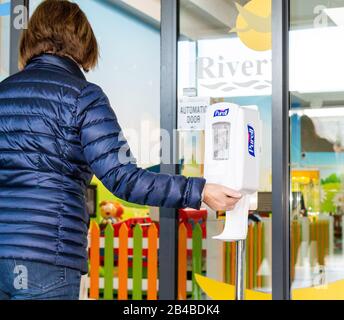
{"x": 56, "y": 131}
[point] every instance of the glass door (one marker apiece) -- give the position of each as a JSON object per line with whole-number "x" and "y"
{"x": 224, "y": 55}
{"x": 317, "y": 145}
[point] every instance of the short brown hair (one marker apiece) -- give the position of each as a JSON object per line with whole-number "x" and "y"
{"x": 59, "y": 27}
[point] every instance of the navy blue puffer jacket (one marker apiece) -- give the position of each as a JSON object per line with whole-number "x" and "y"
{"x": 56, "y": 131}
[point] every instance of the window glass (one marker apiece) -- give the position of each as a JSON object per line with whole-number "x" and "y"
{"x": 225, "y": 56}
{"x": 317, "y": 140}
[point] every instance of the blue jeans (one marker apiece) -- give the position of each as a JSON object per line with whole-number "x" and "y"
{"x": 28, "y": 280}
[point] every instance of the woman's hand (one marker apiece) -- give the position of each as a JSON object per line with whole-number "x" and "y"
{"x": 220, "y": 198}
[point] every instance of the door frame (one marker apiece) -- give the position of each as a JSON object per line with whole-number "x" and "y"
{"x": 281, "y": 151}
{"x": 169, "y": 218}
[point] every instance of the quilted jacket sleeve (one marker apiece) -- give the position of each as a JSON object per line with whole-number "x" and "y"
{"x": 109, "y": 157}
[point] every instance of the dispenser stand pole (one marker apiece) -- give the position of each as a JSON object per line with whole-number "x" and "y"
{"x": 240, "y": 270}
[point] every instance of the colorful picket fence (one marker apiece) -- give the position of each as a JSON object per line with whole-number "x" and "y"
{"x": 117, "y": 283}
{"x": 130, "y": 267}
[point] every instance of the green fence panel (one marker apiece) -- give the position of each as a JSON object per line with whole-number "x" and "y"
{"x": 137, "y": 263}
{"x": 196, "y": 260}
{"x": 108, "y": 263}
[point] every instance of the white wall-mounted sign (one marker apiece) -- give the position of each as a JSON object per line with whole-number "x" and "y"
{"x": 191, "y": 113}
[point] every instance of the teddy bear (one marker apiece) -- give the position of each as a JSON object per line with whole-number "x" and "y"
{"x": 111, "y": 212}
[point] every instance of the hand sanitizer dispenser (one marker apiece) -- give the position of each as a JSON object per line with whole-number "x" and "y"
{"x": 232, "y": 149}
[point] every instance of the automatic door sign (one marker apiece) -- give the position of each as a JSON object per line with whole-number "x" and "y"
{"x": 191, "y": 113}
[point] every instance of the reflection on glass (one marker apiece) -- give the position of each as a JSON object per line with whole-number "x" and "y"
{"x": 317, "y": 145}
{"x": 225, "y": 56}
